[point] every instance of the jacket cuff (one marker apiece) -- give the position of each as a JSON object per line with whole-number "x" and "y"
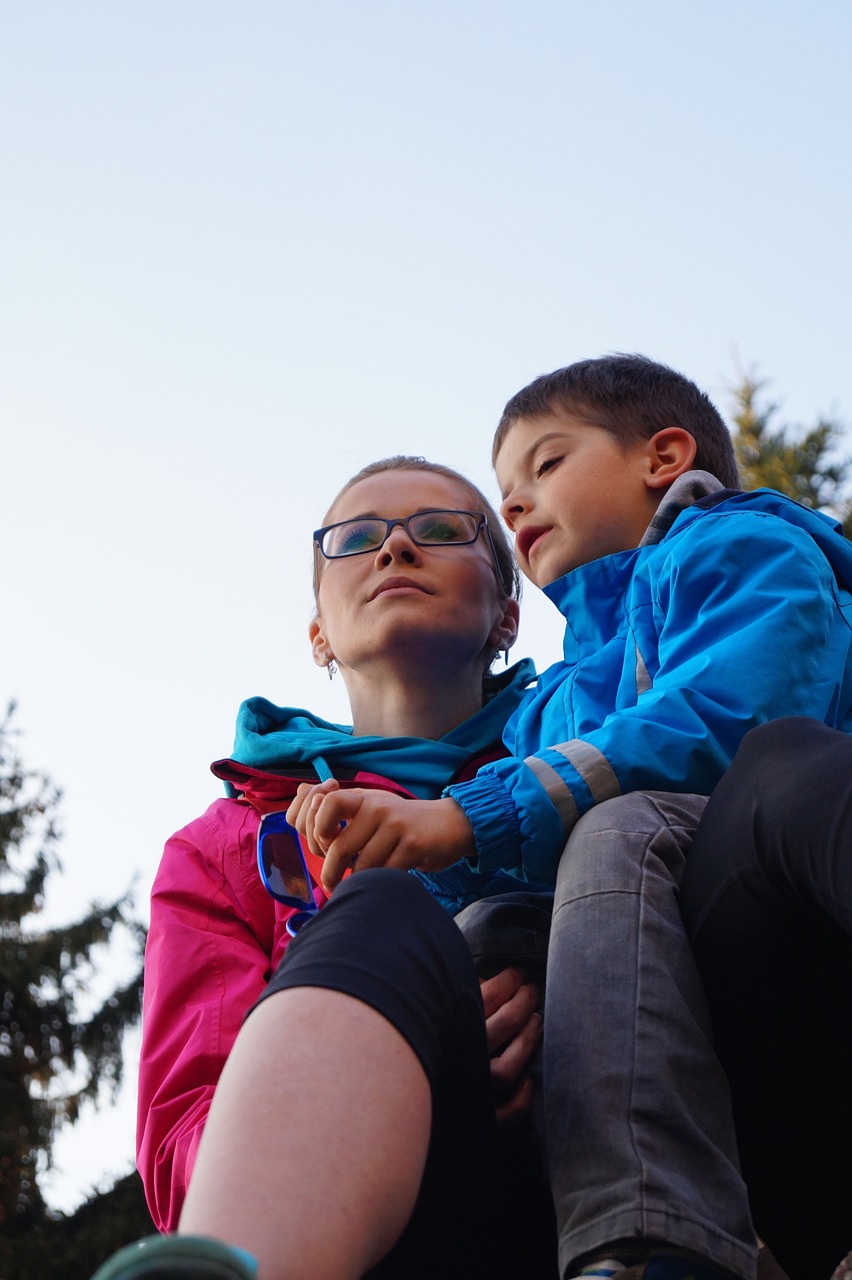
{"x": 488, "y": 808}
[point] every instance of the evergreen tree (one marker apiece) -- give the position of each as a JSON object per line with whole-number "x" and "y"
{"x": 55, "y": 1053}
{"x": 800, "y": 463}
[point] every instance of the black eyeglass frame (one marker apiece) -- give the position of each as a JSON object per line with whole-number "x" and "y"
{"x": 479, "y": 516}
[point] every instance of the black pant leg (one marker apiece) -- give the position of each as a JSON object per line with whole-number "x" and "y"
{"x": 767, "y": 900}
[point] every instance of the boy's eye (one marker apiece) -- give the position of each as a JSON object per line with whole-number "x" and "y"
{"x": 546, "y": 465}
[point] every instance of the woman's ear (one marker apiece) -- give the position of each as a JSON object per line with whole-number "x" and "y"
{"x": 669, "y": 454}
{"x": 320, "y": 648}
{"x": 504, "y": 633}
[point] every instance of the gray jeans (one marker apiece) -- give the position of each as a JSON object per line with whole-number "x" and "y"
{"x": 636, "y": 1114}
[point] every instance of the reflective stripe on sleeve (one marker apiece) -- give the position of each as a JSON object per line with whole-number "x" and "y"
{"x": 592, "y": 766}
{"x": 557, "y": 793}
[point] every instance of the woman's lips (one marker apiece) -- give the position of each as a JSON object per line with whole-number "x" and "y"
{"x": 398, "y": 584}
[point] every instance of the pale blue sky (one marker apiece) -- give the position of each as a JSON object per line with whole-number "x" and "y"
{"x": 247, "y": 247}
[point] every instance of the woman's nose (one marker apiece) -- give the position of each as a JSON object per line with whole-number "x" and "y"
{"x": 398, "y": 546}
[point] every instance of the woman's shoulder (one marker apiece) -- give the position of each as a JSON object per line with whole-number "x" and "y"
{"x": 225, "y": 818}
{"x": 217, "y": 847}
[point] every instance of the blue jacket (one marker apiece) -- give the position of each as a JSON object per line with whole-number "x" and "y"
{"x": 733, "y": 611}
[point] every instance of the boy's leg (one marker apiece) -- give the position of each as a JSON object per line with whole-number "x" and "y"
{"x": 319, "y": 1147}
{"x": 767, "y": 898}
{"x": 637, "y": 1114}
{"x": 509, "y": 930}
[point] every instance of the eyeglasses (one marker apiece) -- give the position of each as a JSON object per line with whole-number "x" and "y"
{"x": 283, "y": 869}
{"x": 424, "y": 528}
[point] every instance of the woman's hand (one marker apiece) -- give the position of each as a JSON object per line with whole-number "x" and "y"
{"x": 364, "y": 829}
{"x": 513, "y": 1026}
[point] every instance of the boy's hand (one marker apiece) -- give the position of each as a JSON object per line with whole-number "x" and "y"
{"x": 305, "y": 801}
{"x": 364, "y": 829}
{"x": 513, "y": 1026}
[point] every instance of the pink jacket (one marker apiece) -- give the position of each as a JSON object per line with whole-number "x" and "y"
{"x": 216, "y": 937}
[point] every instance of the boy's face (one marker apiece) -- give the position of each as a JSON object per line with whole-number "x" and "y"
{"x": 571, "y": 493}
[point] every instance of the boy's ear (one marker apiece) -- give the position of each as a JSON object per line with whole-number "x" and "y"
{"x": 504, "y": 633}
{"x": 669, "y": 453}
{"x": 320, "y": 648}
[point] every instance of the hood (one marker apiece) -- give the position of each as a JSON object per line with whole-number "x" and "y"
{"x": 277, "y": 739}
{"x": 826, "y": 532}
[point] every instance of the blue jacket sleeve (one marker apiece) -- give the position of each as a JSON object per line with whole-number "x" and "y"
{"x": 736, "y": 620}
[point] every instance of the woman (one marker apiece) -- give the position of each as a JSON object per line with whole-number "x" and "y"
{"x": 353, "y": 1122}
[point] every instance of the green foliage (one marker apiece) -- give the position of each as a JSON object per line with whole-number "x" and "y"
{"x": 803, "y": 464}
{"x": 55, "y": 1050}
{"x": 73, "y": 1247}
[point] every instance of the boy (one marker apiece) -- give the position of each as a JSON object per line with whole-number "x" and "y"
{"x": 693, "y": 612}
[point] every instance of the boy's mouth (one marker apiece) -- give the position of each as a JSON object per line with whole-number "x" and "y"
{"x": 527, "y": 538}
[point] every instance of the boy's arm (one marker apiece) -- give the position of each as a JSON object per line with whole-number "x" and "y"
{"x": 742, "y": 625}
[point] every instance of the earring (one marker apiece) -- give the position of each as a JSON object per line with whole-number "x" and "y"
{"x": 331, "y": 668}
{"x": 506, "y": 657}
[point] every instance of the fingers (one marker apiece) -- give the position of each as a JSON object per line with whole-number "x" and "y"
{"x": 513, "y": 1028}
{"x": 361, "y": 830}
{"x": 307, "y": 797}
{"x": 508, "y": 1066}
{"x": 516, "y": 1002}
{"x": 511, "y": 1083}
{"x": 497, "y": 990}
{"x": 518, "y": 1105}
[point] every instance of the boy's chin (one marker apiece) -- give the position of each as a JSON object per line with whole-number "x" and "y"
{"x": 546, "y": 570}
{"x": 542, "y": 579}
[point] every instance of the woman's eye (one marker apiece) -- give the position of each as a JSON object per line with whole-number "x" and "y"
{"x": 442, "y": 528}
{"x": 358, "y": 538}
{"x": 441, "y": 532}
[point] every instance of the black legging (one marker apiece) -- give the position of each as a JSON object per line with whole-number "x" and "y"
{"x": 767, "y": 900}
{"x": 481, "y": 1211}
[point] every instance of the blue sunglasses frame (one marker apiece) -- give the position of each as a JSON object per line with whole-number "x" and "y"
{"x": 283, "y": 869}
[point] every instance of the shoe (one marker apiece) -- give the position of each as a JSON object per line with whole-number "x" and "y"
{"x": 659, "y": 1268}
{"x": 179, "y": 1258}
{"x": 668, "y": 1268}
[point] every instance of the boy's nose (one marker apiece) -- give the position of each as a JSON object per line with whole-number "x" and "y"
{"x": 514, "y": 504}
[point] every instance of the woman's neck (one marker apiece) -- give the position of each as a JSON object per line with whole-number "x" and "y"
{"x": 398, "y": 706}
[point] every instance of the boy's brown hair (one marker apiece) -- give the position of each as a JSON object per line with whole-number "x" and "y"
{"x": 632, "y": 398}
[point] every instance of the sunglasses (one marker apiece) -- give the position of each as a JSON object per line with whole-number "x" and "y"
{"x": 283, "y": 869}
{"x": 424, "y": 528}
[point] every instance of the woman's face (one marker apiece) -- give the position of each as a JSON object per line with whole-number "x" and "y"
{"x": 440, "y": 601}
